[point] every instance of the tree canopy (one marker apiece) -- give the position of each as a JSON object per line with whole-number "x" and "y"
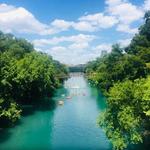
{"x": 25, "y": 76}
{"x": 123, "y": 76}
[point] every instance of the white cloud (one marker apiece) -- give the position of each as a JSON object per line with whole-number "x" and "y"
{"x": 102, "y": 47}
{"x": 147, "y": 5}
{"x": 120, "y": 12}
{"x": 106, "y": 47}
{"x": 67, "y": 49}
{"x": 20, "y": 20}
{"x": 76, "y": 53}
{"x": 126, "y": 28}
{"x": 89, "y": 23}
{"x": 5, "y": 8}
{"x": 124, "y": 42}
{"x": 99, "y": 20}
{"x": 126, "y": 13}
{"x": 113, "y": 2}
{"x": 61, "y": 24}
{"x": 84, "y": 26}
{"x": 79, "y": 38}
{"x": 79, "y": 45}
{"x": 74, "y": 49}
{"x": 58, "y": 49}
{"x": 77, "y": 49}
{"x": 67, "y": 54}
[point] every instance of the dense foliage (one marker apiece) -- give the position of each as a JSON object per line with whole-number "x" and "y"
{"x": 123, "y": 76}
{"x": 77, "y": 68}
{"x": 127, "y": 116}
{"x": 25, "y": 76}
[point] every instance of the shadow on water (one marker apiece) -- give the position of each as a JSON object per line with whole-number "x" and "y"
{"x": 46, "y": 104}
{"x": 141, "y": 146}
{"x": 4, "y": 135}
{"x": 42, "y": 104}
{"x": 99, "y": 97}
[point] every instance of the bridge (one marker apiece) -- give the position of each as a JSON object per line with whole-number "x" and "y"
{"x": 71, "y": 74}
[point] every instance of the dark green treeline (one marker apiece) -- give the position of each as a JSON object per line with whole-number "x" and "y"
{"x": 25, "y": 76}
{"x": 123, "y": 76}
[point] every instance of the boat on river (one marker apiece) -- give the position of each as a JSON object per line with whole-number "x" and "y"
{"x": 68, "y": 97}
{"x": 60, "y": 102}
{"x": 84, "y": 94}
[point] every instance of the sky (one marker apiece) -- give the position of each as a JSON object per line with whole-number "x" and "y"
{"x": 73, "y": 31}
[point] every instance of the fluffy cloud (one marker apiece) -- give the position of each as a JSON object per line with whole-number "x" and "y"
{"x": 147, "y": 5}
{"x": 126, "y": 14}
{"x": 100, "y": 50}
{"x": 124, "y": 42}
{"x": 113, "y": 2}
{"x": 126, "y": 28}
{"x": 20, "y": 20}
{"x": 61, "y": 24}
{"x": 99, "y": 20}
{"x": 102, "y": 47}
{"x": 84, "y": 26}
{"x": 89, "y": 23}
{"x": 71, "y": 55}
{"x": 74, "y": 49}
{"x": 79, "y": 46}
{"x": 58, "y": 50}
{"x": 68, "y": 54}
{"x": 119, "y": 12}
{"x": 80, "y": 38}
{"x": 67, "y": 49}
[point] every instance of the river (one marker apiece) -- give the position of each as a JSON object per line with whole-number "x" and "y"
{"x": 63, "y": 127}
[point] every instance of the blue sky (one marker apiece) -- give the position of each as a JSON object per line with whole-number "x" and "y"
{"x": 73, "y": 31}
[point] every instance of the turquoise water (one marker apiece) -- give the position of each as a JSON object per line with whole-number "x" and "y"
{"x": 61, "y": 127}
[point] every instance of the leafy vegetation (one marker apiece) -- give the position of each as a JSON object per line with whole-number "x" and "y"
{"x": 25, "y": 76}
{"x": 123, "y": 76}
{"x": 77, "y": 68}
{"x": 127, "y": 115}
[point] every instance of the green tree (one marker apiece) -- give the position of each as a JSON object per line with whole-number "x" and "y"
{"x": 9, "y": 112}
{"x": 25, "y": 76}
{"x": 121, "y": 76}
{"x": 127, "y": 116}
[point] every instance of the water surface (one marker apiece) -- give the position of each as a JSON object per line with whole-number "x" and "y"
{"x": 68, "y": 126}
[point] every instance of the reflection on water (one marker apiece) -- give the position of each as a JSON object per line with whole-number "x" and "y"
{"x": 68, "y": 126}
